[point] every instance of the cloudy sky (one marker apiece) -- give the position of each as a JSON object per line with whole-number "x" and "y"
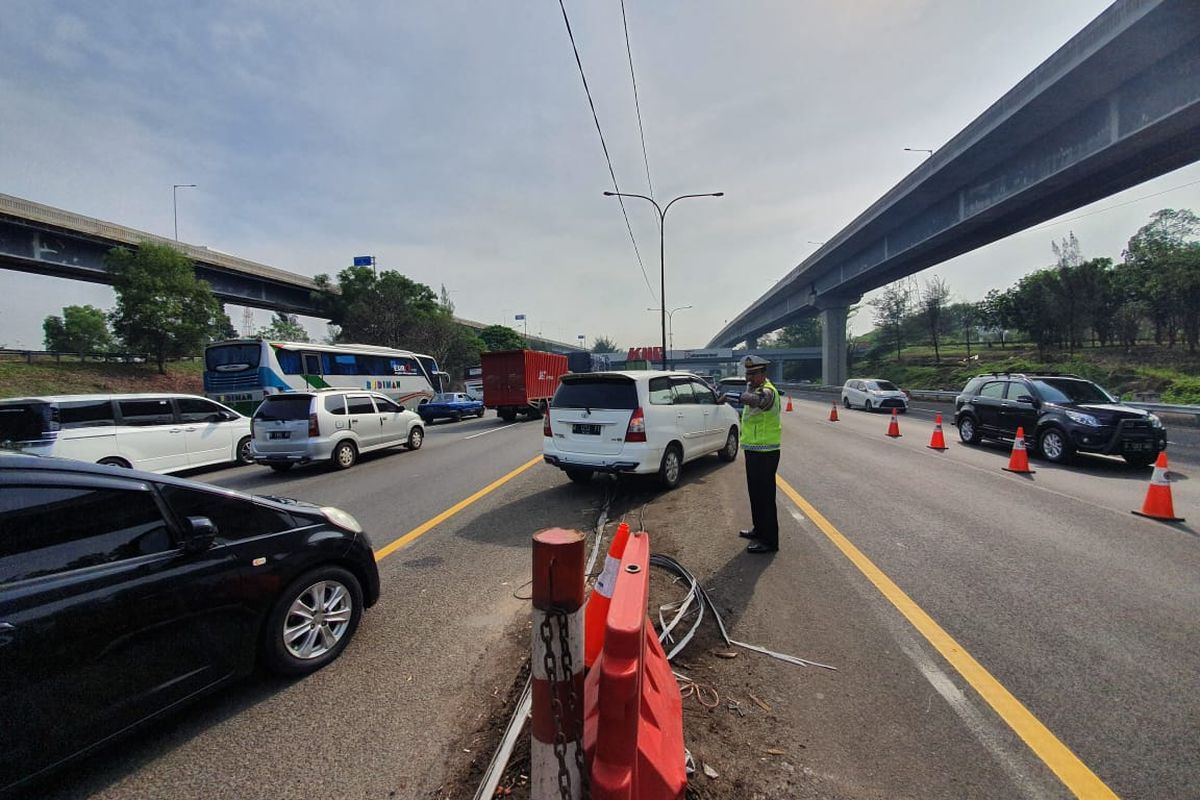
{"x": 453, "y": 141}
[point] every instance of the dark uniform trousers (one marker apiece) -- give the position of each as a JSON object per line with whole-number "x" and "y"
{"x": 760, "y": 482}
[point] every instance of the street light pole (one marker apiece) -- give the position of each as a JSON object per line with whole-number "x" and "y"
{"x": 919, "y": 150}
{"x": 662, "y": 249}
{"x": 670, "y": 324}
{"x": 175, "y": 203}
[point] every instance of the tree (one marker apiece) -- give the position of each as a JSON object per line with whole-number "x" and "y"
{"x": 502, "y": 337}
{"x": 161, "y": 307}
{"x": 996, "y": 314}
{"x": 1036, "y": 309}
{"x": 384, "y": 309}
{"x": 284, "y": 327}
{"x": 604, "y": 344}
{"x": 891, "y": 309}
{"x": 1157, "y": 244}
{"x": 80, "y": 329}
{"x": 805, "y": 333}
{"x": 934, "y": 299}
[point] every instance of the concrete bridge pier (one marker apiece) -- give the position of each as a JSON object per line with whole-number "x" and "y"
{"x": 833, "y": 344}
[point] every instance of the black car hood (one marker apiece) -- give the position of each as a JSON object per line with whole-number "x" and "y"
{"x": 1107, "y": 412}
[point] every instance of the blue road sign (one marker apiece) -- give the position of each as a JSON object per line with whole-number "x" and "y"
{"x": 364, "y": 261}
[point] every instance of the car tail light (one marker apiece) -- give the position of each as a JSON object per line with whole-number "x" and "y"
{"x": 546, "y": 431}
{"x": 313, "y": 428}
{"x": 636, "y": 432}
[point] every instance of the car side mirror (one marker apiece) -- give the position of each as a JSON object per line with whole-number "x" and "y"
{"x": 1027, "y": 399}
{"x": 201, "y": 533}
{"x": 720, "y": 399}
{"x": 401, "y": 408}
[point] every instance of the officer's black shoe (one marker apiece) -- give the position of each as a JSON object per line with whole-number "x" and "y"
{"x": 759, "y": 547}
{"x": 750, "y": 534}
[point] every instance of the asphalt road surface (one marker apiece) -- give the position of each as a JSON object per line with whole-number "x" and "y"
{"x": 1081, "y": 621}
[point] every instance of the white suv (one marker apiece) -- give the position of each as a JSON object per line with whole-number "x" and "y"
{"x": 329, "y": 425}
{"x": 636, "y": 422}
{"x": 872, "y": 393}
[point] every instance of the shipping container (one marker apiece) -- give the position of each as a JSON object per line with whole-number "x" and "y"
{"x": 520, "y": 381}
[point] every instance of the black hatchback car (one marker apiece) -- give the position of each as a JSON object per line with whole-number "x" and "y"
{"x": 1061, "y": 415}
{"x": 125, "y": 594}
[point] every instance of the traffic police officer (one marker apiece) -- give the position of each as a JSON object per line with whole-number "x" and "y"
{"x": 761, "y": 435}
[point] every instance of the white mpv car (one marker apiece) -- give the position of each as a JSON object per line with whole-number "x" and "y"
{"x": 333, "y": 425}
{"x": 872, "y": 393}
{"x": 636, "y": 422}
{"x": 152, "y": 432}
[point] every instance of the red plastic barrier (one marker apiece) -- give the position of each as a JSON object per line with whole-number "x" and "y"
{"x": 633, "y": 723}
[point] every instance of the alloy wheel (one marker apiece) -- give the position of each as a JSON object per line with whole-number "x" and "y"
{"x": 317, "y": 620}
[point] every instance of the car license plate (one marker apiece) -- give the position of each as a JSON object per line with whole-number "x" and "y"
{"x": 1138, "y": 447}
{"x": 585, "y": 430}
{"x": 281, "y": 434}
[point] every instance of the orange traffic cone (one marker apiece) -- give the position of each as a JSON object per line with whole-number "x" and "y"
{"x": 938, "y": 442}
{"x": 833, "y": 417}
{"x": 1158, "y": 503}
{"x": 596, "y": 613}
{"x": 789, "y": 405}
{"x": 894, "y": 428}
{"x": 1019, "y": 460}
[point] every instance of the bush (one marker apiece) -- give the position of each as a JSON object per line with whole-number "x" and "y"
{"x": 1184, "y": 390}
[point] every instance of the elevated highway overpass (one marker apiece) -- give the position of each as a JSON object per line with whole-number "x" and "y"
{"x": 1115, "y": 106}
{"x": 44, "y": 240}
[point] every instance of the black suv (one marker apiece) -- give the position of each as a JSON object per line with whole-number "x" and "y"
{"x": 1061, "y": 415}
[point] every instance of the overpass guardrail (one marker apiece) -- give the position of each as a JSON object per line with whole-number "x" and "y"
{"x": 1192, "y": 412}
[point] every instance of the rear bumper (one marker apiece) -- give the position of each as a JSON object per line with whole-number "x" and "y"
{"x": 304, "y": 453}
{"x": 605, "y": 465}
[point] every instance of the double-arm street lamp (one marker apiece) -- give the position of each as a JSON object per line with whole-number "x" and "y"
{"x": 670, "y": 322}
{"x": 662, "y": 269}
{"x": 175, "y": 203}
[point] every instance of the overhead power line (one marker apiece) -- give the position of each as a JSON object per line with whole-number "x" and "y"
{"x": 636, "y": 103}
{"x": 612, "y": 173}
{"x": 1110, "y": 208}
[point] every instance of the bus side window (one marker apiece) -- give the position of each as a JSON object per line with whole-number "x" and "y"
{"x": 289, "y": 362}
{"x": 312, "y": 365}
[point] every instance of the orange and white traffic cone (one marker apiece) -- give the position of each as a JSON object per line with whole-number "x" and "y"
{"x": 938, "y": 442}
{"x": 789, "y": 405}
{"x": 1158, "y": 503}
{"x": 833, "y": 417}
{"x": 1019, "y": 460}
{"x": 894, "y": 428}
{"x": 596, "y": 613}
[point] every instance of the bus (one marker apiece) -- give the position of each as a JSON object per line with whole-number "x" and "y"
{"x": 239, "y": 372}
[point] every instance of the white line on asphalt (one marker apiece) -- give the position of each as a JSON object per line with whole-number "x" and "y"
{"x": 485, "y": 433}
{"x": 795, "y": 512}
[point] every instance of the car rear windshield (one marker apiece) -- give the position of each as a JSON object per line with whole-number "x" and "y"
{"x": 620, "y": 393}
{"x": 231, "y": 357}
{"x": 23, "y": 422}
{"x": 1065, "y": 390}
{"x": 886, "y": 386}
{"x": 284, "y": 407}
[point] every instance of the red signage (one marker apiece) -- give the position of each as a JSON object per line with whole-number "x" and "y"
{"x": 645, "y": 354}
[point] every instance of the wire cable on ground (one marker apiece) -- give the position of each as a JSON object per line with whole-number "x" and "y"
{"x": 636, "y": 103}
{"x": 612, "y": 173}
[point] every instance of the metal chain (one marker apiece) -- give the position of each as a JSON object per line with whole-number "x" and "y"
{"x": 564, "y": 641}
{"x": 546, "y": 631}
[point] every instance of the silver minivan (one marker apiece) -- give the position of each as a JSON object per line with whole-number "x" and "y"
{"x": 329, "y": 425}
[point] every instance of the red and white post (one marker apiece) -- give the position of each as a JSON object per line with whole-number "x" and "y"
{"x": 556, "y": 747}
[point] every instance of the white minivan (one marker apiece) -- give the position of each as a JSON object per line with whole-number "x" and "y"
{"x": 636, "y": 422}
{"x": 153, "y": 432}
{"x": 870, "y": 394}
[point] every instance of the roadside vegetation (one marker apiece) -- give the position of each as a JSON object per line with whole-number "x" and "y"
{"x": 72, "y": 376}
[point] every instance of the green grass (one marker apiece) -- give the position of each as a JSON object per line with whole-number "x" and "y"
{"x": 43, "y": 377}
{"x": 1172, "y": 373}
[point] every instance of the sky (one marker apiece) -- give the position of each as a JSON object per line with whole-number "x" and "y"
{"x": 454, "y": 142}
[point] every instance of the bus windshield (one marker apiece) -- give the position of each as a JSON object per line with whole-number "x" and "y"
{"x": 232, "y": 357}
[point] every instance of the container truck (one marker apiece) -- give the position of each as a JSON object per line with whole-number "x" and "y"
{"x": 520, "y": 381}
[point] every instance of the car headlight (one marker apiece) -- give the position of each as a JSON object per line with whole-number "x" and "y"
{"x": 1155, "y": 422}
{"x": 341, "y": 519}
{"x": 1083, "y": 419}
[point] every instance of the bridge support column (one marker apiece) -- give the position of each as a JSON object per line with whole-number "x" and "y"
{"x": 752, "y": 343}
{"x": 833, "y": 345}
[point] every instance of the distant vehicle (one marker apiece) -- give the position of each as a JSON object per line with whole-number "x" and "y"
{"x": 451, "y": 405}
{"x": 521, "y": 381}
{"x": 732, "y": 388}
{"x": 870, "y": 394}
{"x": 587, "y": 362}
{"x": 1061, "y": 415}
{"x": 473, "y": 381}
{"x": 636, "y": 422}
{"x": 155, "y": 432}
{"x": 241, "y": 372}
{"x": 331, "y": 425}
{"x": 125, "y": 594}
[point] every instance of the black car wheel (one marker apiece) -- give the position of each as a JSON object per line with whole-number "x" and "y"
{"x": 580, "y": 475}
{"x": 867, "y": 406}
{"x": 1054, "y": 446}
{"x": 730, "y": 450}
{"x": 245, "y": 453}
{"x": 312, "y": 621}
{"x": 344, "y": 455}
{"x": 846, "y": 402}
{"x": 967, "y": 430}
{"x": 671, "y": 467}
{"x": 113, "y": 461}
{"x": 416, "y": 437}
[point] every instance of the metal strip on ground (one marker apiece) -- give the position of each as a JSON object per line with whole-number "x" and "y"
{"x": 1074, "y": 774}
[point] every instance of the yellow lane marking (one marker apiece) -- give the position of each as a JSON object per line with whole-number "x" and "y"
{"x": 1074, "y": 774}
{"x": 430, "y": 524}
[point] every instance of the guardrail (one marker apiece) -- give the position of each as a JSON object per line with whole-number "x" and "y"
{"x": 28, "y": 355}
{"x": 941, "y": 396}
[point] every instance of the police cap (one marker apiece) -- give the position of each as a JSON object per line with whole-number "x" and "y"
{"x": 755, "y": 363}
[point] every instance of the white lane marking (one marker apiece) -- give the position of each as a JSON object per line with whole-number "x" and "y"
{"x": 795, "y": 512}
{"x": 493, "y": 430}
